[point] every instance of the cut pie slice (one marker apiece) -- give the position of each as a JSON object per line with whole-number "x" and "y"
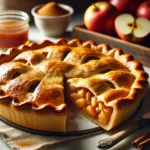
{"x": 37, "y": 81}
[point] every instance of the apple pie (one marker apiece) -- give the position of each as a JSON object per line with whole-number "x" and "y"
{"x": 39, "y": 80}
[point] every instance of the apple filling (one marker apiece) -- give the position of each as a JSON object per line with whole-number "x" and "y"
{"x": 87, "y": 102}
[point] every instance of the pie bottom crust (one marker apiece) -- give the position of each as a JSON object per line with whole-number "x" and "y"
{"x": 53, "y": 121}
{"x": 42, "y": 121}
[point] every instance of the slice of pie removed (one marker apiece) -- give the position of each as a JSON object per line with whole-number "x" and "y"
{"x": 37, "y": 80}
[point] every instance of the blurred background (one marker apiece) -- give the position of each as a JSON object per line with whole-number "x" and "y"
{"x": 24, "y": 5}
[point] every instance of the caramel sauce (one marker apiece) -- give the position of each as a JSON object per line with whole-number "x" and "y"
{"x": 12, "y": 34}
{"x": 25, "y": 143}
{"x": 51, "y": 9}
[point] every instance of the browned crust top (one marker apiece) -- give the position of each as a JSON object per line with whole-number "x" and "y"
{"x": 124, "y": 61}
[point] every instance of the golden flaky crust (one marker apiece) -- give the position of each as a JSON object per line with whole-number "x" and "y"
{"x": 103, "y": 83}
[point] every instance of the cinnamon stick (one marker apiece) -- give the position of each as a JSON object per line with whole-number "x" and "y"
{"x": 142, "y": 141}
{"x": 144, "y": 144}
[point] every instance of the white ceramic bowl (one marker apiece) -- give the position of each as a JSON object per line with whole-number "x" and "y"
{"x": 52, "y": 26}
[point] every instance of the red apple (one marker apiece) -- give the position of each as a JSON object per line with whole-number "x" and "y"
{"x": 126, "y": 6}
{"x": 144, "y": 10}
{"x": 132, "y": 29}
{"x": 100, "y": 17}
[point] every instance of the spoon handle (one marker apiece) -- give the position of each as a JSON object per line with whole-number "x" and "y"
{"x": 114, "y": 139}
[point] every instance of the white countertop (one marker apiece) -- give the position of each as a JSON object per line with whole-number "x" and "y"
{"x": 88, "y": 143}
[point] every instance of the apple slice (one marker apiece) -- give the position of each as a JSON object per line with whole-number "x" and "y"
{"x": 132, "y": 29}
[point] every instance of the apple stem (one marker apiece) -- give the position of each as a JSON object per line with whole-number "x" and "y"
{"x": 95, "y": 6}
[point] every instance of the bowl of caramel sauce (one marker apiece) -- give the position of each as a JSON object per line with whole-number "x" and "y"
{"x": 14, "y": 27}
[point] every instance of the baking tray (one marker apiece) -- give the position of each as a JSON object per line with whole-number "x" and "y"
{"x": 140, "y": 52}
